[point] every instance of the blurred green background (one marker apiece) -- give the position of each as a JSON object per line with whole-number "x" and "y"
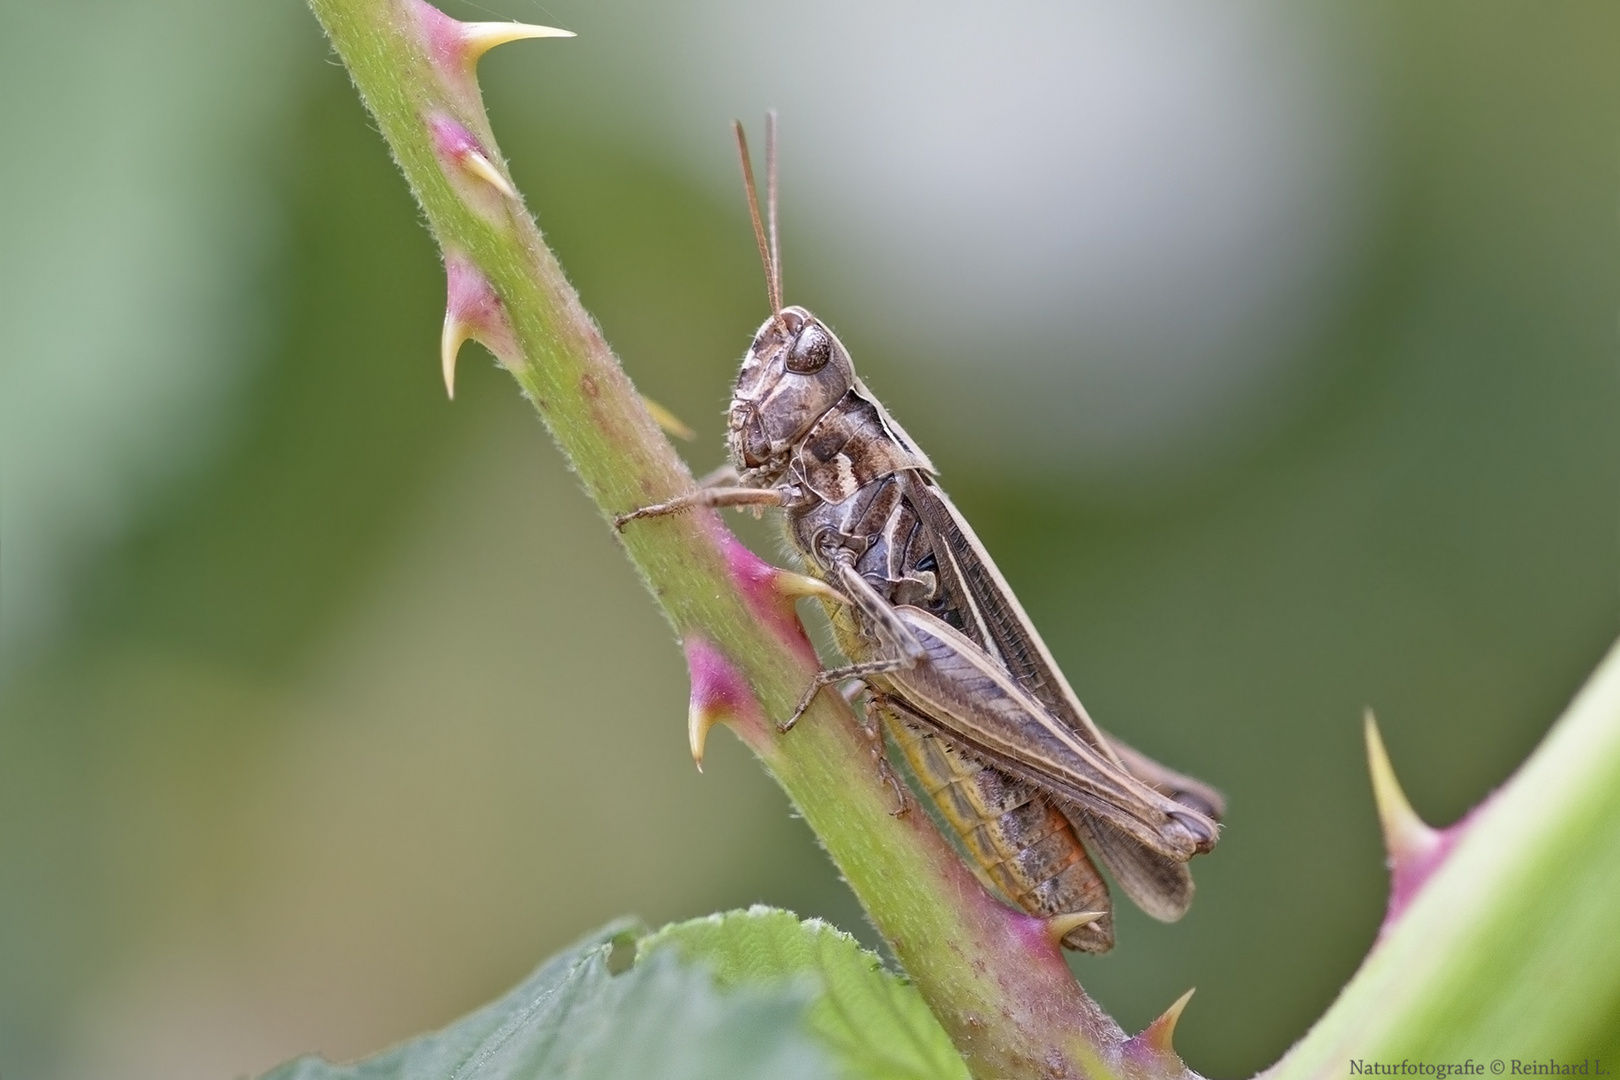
{"x": 1272, "y": 352}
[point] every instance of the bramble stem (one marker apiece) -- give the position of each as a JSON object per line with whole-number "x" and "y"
{"x": 1001, "y": 989}
{"x": 1510, "y": 949}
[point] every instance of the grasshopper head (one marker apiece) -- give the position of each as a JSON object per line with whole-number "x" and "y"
{"x": 794, "y": 372}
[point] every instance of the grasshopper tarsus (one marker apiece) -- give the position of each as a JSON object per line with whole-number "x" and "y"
{"x": 806, "y": 699}
{"x": 674, "y": 506}
{"x": 886, "y": 773}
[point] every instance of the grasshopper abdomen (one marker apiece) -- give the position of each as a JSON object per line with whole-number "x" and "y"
{"x": 1011, "y": 831}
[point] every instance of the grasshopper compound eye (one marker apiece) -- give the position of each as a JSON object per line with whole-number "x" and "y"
{"x": 810, "y": 352}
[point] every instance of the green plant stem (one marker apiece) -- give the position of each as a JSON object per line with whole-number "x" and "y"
{"x": 1003, "y": 993}
{"x": 1512, "y": 949}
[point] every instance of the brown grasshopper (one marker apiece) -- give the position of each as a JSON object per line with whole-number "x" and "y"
{"x": 949, "y": 661}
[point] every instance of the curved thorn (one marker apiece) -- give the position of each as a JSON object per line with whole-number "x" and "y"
{"x": 481, "y": 167}
{"x": 451, "y": 338}
{"x": 794, "y": 585}
{"x": 720, "y": 695}
{"x": 1405, "y": 834}
{"x": 472, "y": 312}
{"x": 480, "y": 37}
{"x": 1159, "y": 1035}
{"x": 1059, "y": 927}
{"x": 699, "y": 722}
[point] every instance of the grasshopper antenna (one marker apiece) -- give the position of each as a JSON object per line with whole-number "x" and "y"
{"x": 765, "y": 240}
{"x": 770, "y": 207}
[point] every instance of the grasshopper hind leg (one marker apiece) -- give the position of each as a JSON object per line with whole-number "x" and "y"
{"x": 893, "y": 636}
{"x": 872, "y": 727}
{"x": 833, "y": 676}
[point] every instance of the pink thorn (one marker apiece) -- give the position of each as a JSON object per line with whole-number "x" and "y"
{"x": 1031, "y": 931}
{"x": 454, "y": 46}
{"x": 720, "y": 695}
{"x": 1154, "y": 1047}
{"x": 473, "y": 302}
{"x": 1411, "y": 869}
{"x": 463, "y": 156}
{"x": 473, "y": 310}
{"x": 442, "y": 35}
{"x": 450, "y": 139}
{"x": 1415, "y": 850}
{"x": 758, "y": 581}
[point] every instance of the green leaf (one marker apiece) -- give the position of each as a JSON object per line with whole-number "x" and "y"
{"x": 873, "y": 1021}
{"x": 574, "y": 1019}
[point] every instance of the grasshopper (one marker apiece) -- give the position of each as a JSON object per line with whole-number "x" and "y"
{"x": 948, "y": 660}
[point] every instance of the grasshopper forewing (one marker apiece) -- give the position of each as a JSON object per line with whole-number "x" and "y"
{"x": 951, "y": 663}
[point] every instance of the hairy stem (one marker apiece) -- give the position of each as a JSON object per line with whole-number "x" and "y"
{"x": 1510, "y": 948}
{"x": 996, "y": 981}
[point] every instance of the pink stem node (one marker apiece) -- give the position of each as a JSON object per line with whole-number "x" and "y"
{"x": 473, "y": 312}
{"x": 720, "y": 695}
{"x": 771, "y": 591}
{"x": 468, "y": 167}
{"x": 1154, "y": 1051}
{"x": 1414, "y": 849}
{"x": 454, "y": 47}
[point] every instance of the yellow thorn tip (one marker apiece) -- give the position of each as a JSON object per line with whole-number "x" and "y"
{"x": 1161, "y": 1033}
{"x": 699, "y": 722}
{"x": 480, "y": 37}
{"x": 1404, "y": 832}
{"x": 451, "y": 339}
{"x": 797, "y": 585}
{"x": 1059, "y": 927}
{"x": 481, "y": 167}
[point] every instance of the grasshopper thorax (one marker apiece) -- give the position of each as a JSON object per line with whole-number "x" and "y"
{"x": 794, "y": 372}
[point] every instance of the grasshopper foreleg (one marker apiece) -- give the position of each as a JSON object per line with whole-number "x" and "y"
{"x": 705, "y": 497}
